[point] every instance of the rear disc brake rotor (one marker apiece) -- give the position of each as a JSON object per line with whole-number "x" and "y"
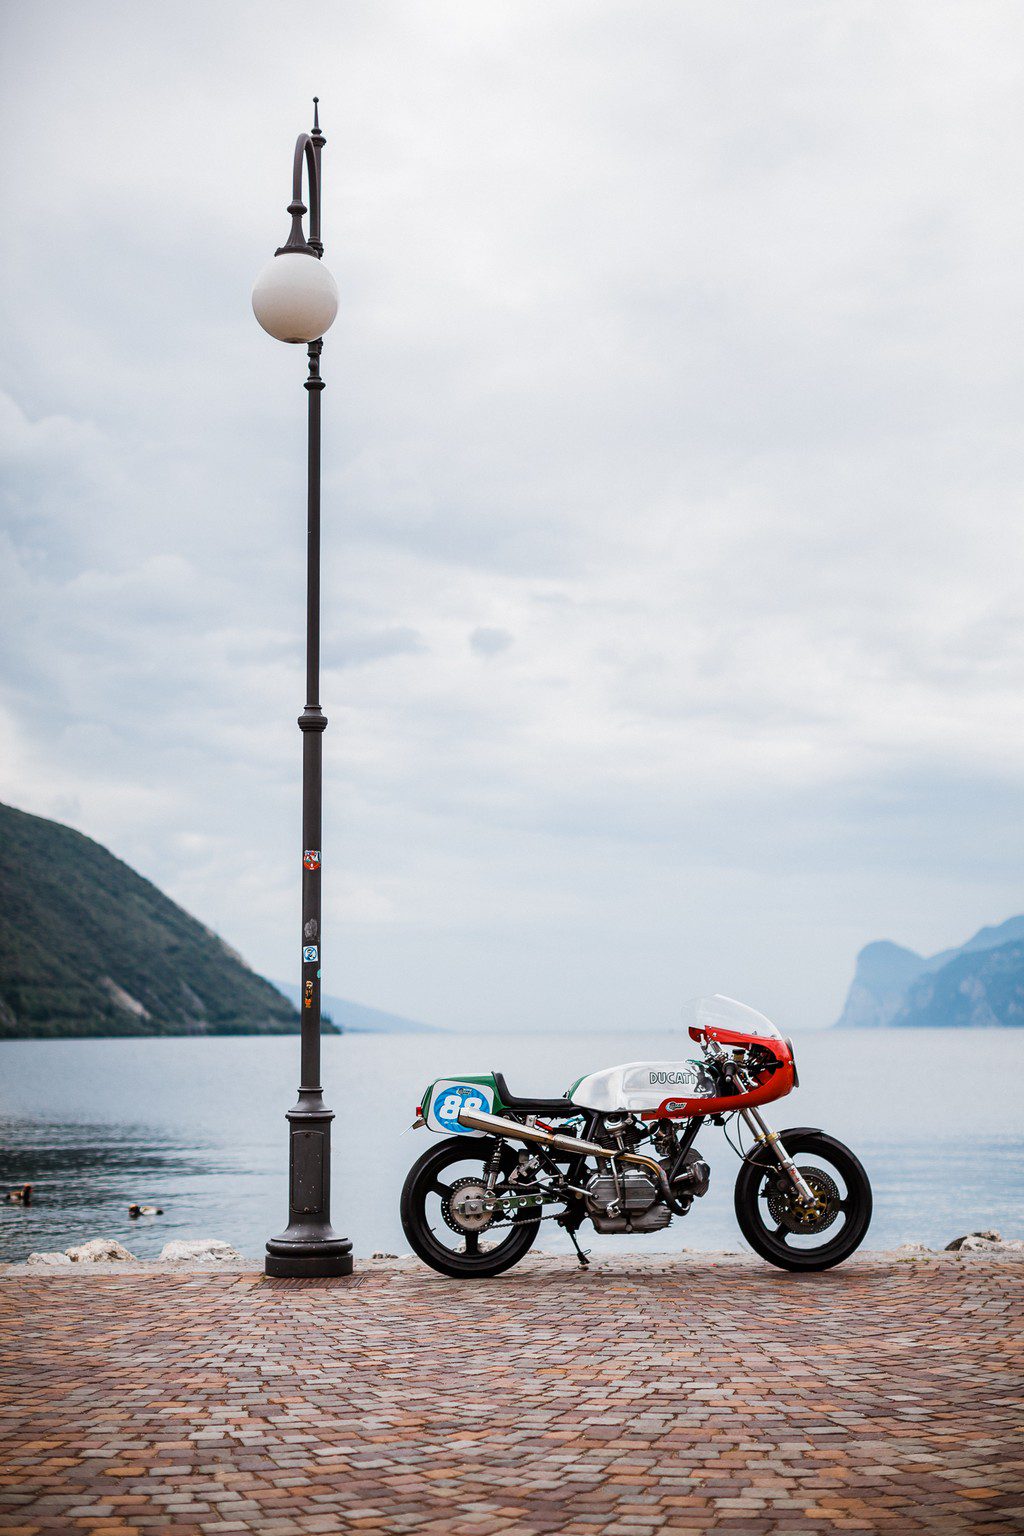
{"x": 785, "y": 1209}
{"x": 464, "y": 1208}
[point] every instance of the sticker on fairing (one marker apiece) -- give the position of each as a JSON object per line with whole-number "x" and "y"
{"x": 449, "y": 1099}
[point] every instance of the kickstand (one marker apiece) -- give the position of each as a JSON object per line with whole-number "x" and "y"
{"x": 584, "y": 1261}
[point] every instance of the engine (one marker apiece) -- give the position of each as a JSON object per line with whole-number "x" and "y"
{"x": 693, "y": 1179}
{"x": 634, "y": 1206}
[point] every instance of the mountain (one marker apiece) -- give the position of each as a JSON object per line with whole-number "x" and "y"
{"x": 974, "y": 990}
{"x": 358, "y": 1019}
{"x": 978, "y": 983}
{"x": 883, "y": 974}
{"x": 88, "y": 947}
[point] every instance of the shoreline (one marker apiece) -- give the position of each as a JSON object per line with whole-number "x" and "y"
{"x": 694, "y": 1259}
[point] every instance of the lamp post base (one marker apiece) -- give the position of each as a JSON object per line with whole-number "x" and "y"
{"x": 308, "y": 1261}
{"x": 309, "y": 1247}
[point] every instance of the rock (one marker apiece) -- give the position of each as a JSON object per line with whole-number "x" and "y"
{"x": 988, "y": 1237}
{"x": 47, "y": 1258}
{"x": 100, "y": 1250}
{"x": 976, "y": 1243}
{"x": 912, "y": 1250}
{"x": 199, "y": 1250}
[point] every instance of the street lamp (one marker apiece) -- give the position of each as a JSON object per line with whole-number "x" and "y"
{"x": 295, "y": 299}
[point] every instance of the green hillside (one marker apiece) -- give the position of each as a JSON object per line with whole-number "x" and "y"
{"x": 88, "y": 947}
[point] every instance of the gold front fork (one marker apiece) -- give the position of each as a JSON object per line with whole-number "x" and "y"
{"x": 767, "y": 1137}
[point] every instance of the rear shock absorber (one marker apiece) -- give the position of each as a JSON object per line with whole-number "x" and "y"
{"x": 493, "y": 1168}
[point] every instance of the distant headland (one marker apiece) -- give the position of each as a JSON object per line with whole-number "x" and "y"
{"x": 978, "y": 985}
{"x": 89, "y": 948}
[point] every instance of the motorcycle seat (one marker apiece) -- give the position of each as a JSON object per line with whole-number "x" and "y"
{"x": 559, "y": 1109}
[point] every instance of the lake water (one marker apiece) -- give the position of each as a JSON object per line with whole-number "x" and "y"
{"x": 197, "y": 1127}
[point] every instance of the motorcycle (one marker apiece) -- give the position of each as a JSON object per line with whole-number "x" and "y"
{"x": 472, "y": 1206}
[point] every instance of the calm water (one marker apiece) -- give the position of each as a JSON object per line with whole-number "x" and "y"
{"x": 197, "y": 1126}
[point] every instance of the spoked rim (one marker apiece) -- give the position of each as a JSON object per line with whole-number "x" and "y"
{"x": 444, "y": 1216}
{"x": 780, "y": 1229}
{"x": 800, "y": 1228}
{"x": 454, "y": 1210}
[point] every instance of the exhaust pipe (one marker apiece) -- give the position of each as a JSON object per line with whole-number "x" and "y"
{"x": 497, "y": 1125}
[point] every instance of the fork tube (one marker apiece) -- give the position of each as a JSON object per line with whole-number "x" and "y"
{"x": 761, "y": 1132}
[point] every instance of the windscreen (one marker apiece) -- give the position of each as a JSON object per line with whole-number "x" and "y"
{"x": 726, "y": 1013}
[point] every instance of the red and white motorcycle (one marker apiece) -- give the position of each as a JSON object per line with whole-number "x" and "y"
{"x": 619, "y": 1150}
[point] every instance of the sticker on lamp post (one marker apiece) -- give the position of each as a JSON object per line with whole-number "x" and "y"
{"x": 311, "y": 858}
{"x": 310, "y": 954}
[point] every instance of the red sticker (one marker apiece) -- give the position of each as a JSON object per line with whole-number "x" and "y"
{"x": 311, "y": 858}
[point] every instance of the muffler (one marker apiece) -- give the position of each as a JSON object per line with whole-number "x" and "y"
{"x": 497, "y": 1125}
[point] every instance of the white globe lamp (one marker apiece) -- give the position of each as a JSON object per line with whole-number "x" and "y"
{"x": 294, "y": 297}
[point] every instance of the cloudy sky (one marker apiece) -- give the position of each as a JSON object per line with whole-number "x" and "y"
{"x": 673, "y": 485}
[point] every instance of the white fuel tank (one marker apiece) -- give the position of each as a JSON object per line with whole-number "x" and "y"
{"x": 640, "y": 1085}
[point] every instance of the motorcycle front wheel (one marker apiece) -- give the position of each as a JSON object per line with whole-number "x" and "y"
{"x": 772, "y": 1219}
{"x": 441, "y": 1217}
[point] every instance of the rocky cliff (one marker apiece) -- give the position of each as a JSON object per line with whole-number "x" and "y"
{"x": 979, "y": 983}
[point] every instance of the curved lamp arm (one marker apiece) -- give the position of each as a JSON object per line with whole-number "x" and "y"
{"x": 307, "y": 147}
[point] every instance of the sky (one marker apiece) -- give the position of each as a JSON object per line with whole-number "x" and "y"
{"x": 672, "y": 486}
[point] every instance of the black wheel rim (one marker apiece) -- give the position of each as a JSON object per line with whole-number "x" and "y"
{"x": 795, "y": 1233}
{"x": 442, "y": 1217}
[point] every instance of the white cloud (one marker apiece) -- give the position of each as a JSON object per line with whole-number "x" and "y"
{"x": 671, "y": 604}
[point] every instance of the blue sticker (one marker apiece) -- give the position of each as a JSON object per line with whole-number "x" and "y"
{"x": 454, "y": 1098}
{"x": 310, "y": 954}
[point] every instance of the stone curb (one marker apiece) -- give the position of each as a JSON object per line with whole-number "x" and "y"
{"x": 408, "y": 1264}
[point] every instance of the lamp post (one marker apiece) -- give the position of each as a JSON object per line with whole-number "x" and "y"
{"x": 295, "y": 299}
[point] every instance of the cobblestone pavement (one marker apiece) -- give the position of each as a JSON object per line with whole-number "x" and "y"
{"x": 681, "y": 1394}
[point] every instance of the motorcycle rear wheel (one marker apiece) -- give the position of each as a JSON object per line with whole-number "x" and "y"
{"x": 464, "y": 1255}
{"x": 769, "y": 1215}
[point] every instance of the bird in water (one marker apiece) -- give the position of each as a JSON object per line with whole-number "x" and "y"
{"x": 145, "y": 1210}
{"x": 22, "y": 1196}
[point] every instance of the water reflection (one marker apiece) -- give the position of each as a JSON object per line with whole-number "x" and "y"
{"x": 197, "y": 1127}
{"x": 85, "y": 1175}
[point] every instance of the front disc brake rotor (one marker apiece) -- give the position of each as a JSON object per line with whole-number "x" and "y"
{"x": 785, "y": 1209}
{"x": 465, "y": 1207}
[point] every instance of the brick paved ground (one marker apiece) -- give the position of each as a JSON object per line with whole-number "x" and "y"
{"x": 641, "y": 1397}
